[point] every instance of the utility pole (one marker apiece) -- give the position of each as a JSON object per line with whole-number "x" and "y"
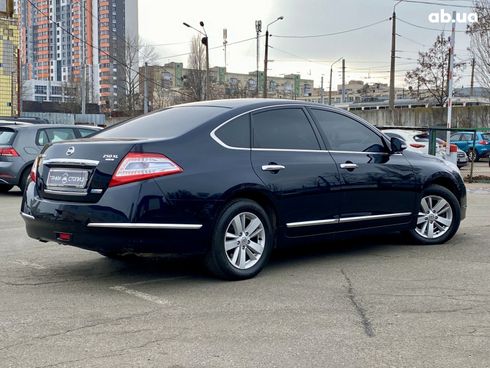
{"x": 265, "y": 62}
{"x": 145, "y": 90}
{"x": 258, "y": 29}
{"x": 472, "y": 76}
{"x": 322, "y": 97}
{"x": 19, "y": 85}
{"x": 82, "y": 59}
{"x": 392, "y": 67}
{"x": 450, "y": 85}
{"x": 343, "y": 80}
{"x": 330, "y": 83}
{"x": 266, "y": 58}
{"x": 225, "y": 41}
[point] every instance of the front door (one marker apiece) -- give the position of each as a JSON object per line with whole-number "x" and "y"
{"x": 377, "y": 186}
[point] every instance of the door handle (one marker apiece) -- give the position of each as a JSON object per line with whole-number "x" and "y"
{"x": 348, "y": 166}
{"x": 271, "y": 167}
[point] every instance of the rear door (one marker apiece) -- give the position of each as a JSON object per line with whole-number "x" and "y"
{"x": 288, "y": 157}
{"x": 378, "y": 188}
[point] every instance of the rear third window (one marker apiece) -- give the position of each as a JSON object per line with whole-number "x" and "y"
{"x": 6, "y": 136}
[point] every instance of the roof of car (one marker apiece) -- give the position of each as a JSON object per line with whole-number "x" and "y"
{"x": 253, "y": 103}
{"x": 41, "y": 126}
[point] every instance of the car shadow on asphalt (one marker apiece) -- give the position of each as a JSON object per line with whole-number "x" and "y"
{"x": 136, "y": 269}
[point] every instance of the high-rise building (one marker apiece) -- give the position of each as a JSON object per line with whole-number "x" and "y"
{"x": 77, "y": 43}
{"x": 9, "y": 40}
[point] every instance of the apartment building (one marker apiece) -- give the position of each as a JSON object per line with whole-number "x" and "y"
{"x": 9, "y": 39}
{"x": 66, "y": 42}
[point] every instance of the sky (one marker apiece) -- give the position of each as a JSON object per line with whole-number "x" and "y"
{"x": 366, "y": 51}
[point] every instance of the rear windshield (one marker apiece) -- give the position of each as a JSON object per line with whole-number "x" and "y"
{"x": 165, "y": 124}
{"x": 6, "y": 136}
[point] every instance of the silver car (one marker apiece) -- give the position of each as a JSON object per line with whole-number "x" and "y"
{"x": 21, "y": 143}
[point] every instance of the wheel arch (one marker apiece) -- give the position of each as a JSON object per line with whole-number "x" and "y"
{"x": 447, "y": 183}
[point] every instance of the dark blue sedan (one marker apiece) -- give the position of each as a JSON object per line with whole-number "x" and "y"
{"x": 233, "y": 179}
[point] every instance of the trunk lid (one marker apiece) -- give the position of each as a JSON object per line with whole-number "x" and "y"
{"x": 80, "y": 170}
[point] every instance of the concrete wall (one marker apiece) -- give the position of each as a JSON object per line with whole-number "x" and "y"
{"x": 463, "y": 117}
{"x": 59, "y": 118}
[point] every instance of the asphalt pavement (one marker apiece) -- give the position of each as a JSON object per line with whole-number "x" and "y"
{"x": 370, "y": 302}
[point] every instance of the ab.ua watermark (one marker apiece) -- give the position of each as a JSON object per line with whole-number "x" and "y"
{"x": 445, "y": 17}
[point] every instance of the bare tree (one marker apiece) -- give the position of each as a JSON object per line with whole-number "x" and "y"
{"x": 195, "y": 79}
{"x": 136, "y": 53}
{"x": 431, "y": 73}
{"x": 480, "y": 42}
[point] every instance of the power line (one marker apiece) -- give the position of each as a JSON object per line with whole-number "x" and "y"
{"x": 434, "y": 3}
{"x": 336, "y": 33}
{"x": 423, "y": 27}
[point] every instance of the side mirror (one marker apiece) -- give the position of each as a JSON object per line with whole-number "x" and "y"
{"x": 397, "y": 145}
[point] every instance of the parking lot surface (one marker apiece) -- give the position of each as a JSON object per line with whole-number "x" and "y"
{"x": 377, "y": 302}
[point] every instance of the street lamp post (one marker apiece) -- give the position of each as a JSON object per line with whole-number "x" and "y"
{"x": 205, "y": 41}
{"x": 330, "y": 83}
{"x": 258, "y": 29}
{"x": 267, "y": 53}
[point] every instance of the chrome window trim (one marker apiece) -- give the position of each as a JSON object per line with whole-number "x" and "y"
{"x": 223, "y": 144}
{"x": 346, "y": 219}
{"x": 127, "y": 225}
{"x": 71, "y": 161}
{"x": 25, "y": 215}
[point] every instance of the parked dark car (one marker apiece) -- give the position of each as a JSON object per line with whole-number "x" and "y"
{"x": 20, "y": 143}
{"x": 232, "y": 179}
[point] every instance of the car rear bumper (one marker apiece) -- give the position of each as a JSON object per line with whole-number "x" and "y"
{"x": 9, "y": 172}
{"x": 110, "y": 226}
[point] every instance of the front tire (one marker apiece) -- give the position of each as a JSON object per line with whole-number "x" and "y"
{"x": 242, "y": 241}
{"x": 438, "y": 218}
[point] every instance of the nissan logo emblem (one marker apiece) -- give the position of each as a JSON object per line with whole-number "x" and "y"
{"x": 70, "y": 151}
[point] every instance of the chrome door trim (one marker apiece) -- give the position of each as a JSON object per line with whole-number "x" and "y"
{"x": 127, "y": 225}
{"x": 373, "y": 217}
{"x": 346, "y": 219}
{"x": 312, "y": 223}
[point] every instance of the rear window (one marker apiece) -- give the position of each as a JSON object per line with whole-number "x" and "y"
{"x": 6, "y": 136}
{"x": 165, "y": 124}
{"x": 485, "y": 136}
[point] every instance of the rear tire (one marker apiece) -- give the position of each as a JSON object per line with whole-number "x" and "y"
{"x": 242, "y": 241}
{"x": 438, "y": 218}
{"x": 5, "y": 188}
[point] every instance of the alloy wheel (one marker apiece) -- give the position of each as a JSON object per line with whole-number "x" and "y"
{"x": 435, "y": 217}
{"x": 244, "y": 240}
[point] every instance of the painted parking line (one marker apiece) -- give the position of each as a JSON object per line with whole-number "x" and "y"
{"x": 140, "y": 295}
{"x": 29, "y": 264}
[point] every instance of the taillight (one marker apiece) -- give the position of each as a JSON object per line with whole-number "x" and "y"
{"x": 142, "y": 166}
{"x": 484, "y": 142}
{"x": 33, "y": 173}
{"x": 417, "y": 145}
{"x": 8, "y": 152}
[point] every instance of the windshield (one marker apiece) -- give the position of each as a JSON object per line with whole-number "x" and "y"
{"x": 169, "y": 123}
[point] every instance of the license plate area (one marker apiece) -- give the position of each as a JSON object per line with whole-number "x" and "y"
{"x": 67, "y": 179}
